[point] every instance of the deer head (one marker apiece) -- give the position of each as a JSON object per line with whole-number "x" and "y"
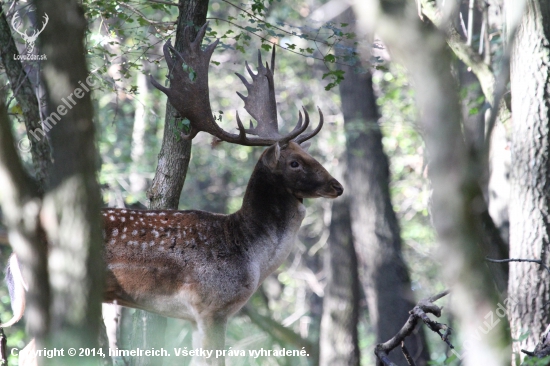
{"x": 29, "y": 39}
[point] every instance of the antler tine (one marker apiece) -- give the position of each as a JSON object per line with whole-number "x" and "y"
{"x": 261, "y": 66}
{"x": 250, "y": 72}
{"x": 246, "y": 83}
{"x": 200, "y": 36}
{"x": 167, "y": 56}
{"x": 306, "y": 137}
{"x": 272, "y": 61}
{"x": 298, "y": 129}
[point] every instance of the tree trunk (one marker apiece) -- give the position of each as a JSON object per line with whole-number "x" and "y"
{"x": 148, "y": 328}
{"x": 338, "y": 343}
{"x": 376, "y": 233}
{"x": 71, "y": 211}
{"x": 378, "y": 243}
{"x": 530, "y": 180}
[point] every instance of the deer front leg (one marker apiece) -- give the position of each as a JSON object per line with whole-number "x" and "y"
{"x": 209, "y": 334}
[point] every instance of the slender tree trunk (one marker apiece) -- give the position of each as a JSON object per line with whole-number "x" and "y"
{"x": 71, "y": 210}
{"x": 148, "y": 328}
{"x": 530, "y": 179}
{"x": 338, "y": 343}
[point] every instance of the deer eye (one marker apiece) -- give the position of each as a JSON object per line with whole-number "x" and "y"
{"x": 294, "y": 164}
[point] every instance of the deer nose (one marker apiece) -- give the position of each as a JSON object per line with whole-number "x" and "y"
{"x": 337, "y": 187}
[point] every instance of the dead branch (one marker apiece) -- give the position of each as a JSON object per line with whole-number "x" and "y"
{"x": 538, "y": 261}
{"x": 419, "y": 312}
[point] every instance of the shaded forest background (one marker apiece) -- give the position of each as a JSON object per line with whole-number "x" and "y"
{"x": 363, "y": 261}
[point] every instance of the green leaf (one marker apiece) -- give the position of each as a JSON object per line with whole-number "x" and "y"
{"x": 215, "y": 63}
{"x": 266, "y": 47}
{"x": 330, "y": 58}
{"x": 192, "y": 76}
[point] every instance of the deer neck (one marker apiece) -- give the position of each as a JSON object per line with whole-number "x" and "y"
{"x": 267, "y": 202}
{"x": 270, "y": 216}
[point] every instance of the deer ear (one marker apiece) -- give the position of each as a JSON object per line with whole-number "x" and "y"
{"x": 271, "y": 156}
{"x": 305, "y": 145}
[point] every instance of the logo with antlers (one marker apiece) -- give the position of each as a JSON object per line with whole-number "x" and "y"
{"x": 29, "y": 39}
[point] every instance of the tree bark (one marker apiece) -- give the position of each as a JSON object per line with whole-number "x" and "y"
{"x": 71, "y": 211}
{"x": 338, "y": 343}
{"x": 165, "y": 192}
{"x": 530, "y": 178}
{"x": 25, "y": 96}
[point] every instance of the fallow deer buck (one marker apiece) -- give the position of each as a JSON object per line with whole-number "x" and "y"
{"x": 204, "y": 266}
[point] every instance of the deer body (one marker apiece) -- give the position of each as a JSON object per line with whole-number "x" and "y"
{"x": 203, "y": 266}
{"x": 183, "y": 263}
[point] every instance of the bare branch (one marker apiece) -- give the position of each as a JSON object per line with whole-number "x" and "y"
{"x": 419, "y": 312}
{"x": 163, "y": 2}
{"x": 538, "y": 261}
{"x": 152, "y": 22}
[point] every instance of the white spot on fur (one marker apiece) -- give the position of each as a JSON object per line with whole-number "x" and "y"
{"x": 123, "y": 219}
{"x": 123, "y": 211}
{"x": 112, "y": 218}
{"x": 124, "y": 230}
{"x": 134, "y": 233}
{"x": 112, "y": 241}
{"x": 131, "y": 217}
{"x": 123, "y": 236}
{"x": 155, "y": 233}
{"x": 115, "y": 232}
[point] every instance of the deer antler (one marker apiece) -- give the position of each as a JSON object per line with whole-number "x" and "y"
{"x": 188, "y": 93}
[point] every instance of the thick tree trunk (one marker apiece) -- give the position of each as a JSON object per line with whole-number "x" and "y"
{"x": 530, "y": 180}
{"x": 71, "y": 210}
{"x": 338, "y": 343}
{"x": 148, "y": 328}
